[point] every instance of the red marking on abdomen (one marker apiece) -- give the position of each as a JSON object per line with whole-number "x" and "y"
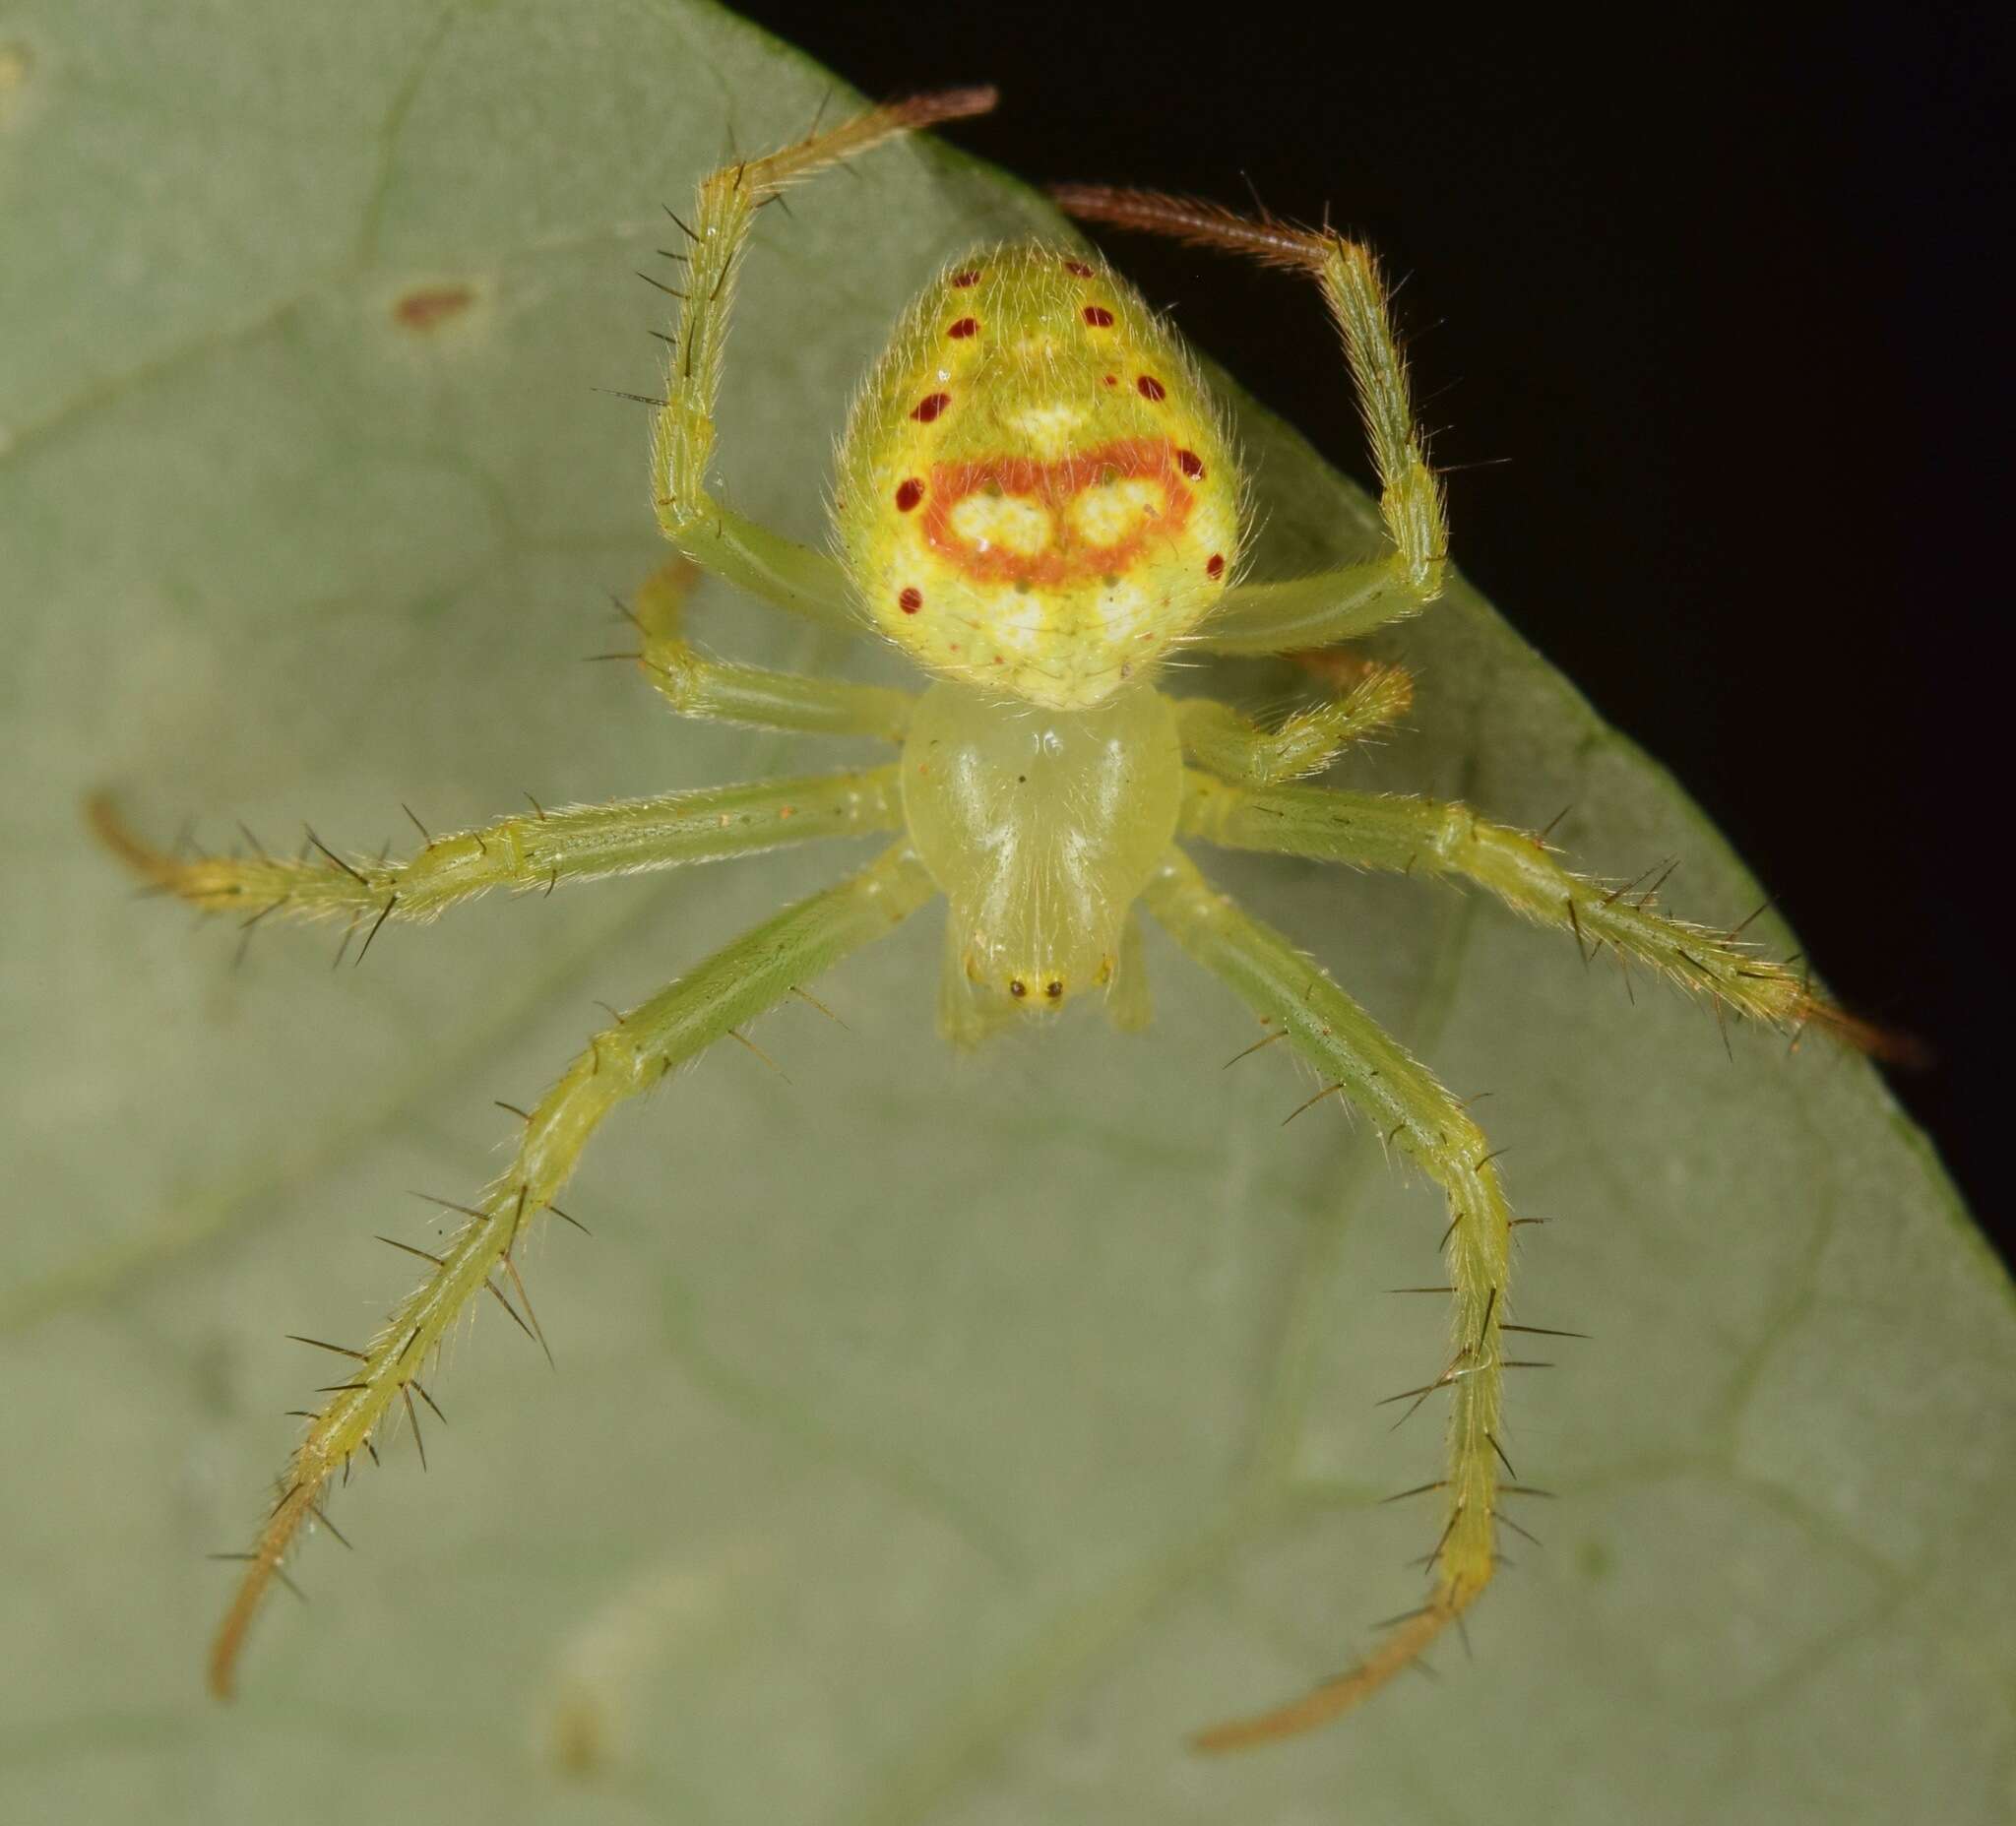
{"x": 1054, "y": 486}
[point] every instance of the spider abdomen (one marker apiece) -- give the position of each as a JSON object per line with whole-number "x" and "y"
{"x": 1036, "y": 495}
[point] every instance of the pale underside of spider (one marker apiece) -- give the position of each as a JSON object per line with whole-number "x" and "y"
{"x": 1038, "y": 502}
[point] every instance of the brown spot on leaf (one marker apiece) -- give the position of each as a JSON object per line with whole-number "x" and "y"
{"x": 426, "y": 308}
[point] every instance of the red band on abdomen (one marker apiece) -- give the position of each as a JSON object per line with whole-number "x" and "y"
{"x": 1053, "y": 487}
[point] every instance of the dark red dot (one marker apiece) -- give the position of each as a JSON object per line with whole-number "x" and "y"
{"x": 929, "y": 406}
{"x": 908, "y": 495}
{"x": 971, "y": 277}
{"x": 1098, "y": 316}
{"x": 911, "y": 600}
{"x": 1151, "y": 388}
{"x": 1214, "y": 566}
{"x": 1079, "y": 268}
{"x": 1192, "y": 464}
{"x": 1112, "y": 380}
{"x": 965, "y": 327}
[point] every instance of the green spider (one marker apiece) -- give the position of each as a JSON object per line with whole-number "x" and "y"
{"x": 1039, "y": 501}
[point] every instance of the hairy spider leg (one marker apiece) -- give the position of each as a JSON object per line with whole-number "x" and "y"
{"x": 717, "y": 691}
{"x": 1421, "y": 1119}
{"x": 717, "y": 997}
{"x": 1367, "y": 697}
{"x": 1353, "y": 598}
{"x": 715, "y": 537}
{"x": 1420, "y": 836}
{"x": 529, "y": 852}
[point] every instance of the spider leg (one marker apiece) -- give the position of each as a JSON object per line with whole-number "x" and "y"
{"x": 532, "y": 851}
{"x": 1230, "y": 744}
{"x": 718, "y": 692}
{"x": 719, "y": 996}
{"x": 781, "y": 572}
{"x": 1444, "y": 837}
{"x": 1353, "y": 598}
{"x": 1421, "y": 1119}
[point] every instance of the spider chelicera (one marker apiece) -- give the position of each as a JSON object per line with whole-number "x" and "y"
{"x": 1038, "y": 501}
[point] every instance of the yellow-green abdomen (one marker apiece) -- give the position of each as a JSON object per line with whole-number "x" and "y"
{"x": 1035, "y": 493}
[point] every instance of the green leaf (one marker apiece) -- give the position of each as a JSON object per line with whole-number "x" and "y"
{"x": 931, "y": 1440}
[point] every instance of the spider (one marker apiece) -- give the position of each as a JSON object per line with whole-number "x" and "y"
{"x": 1038, "y": 502}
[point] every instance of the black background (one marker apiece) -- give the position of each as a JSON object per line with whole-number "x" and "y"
{"x": 1717, "y": 318}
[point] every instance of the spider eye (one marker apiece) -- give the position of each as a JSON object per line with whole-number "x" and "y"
{"x": 1054, "y": 990}
{"x": 1017, "y": 987}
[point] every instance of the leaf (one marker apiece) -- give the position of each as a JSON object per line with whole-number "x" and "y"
{"x": 932, "y": 1441}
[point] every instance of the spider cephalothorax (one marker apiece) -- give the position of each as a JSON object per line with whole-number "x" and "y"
{"x": 1037, "y": 500}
